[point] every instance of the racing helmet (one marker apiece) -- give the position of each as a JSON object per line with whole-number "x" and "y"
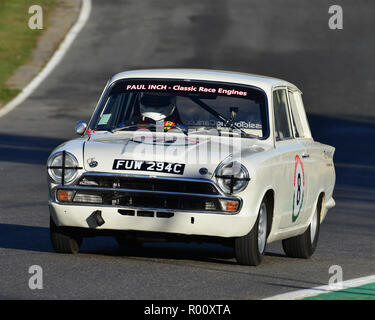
{"x": 157, "y": 106}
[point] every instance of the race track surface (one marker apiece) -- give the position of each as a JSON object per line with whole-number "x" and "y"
{"x": 290, "y": 40}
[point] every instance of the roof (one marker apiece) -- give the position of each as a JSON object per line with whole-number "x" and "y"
{"x": 260, "y": 81}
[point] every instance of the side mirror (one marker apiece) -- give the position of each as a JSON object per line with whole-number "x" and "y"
{"x": 80, "y": 127}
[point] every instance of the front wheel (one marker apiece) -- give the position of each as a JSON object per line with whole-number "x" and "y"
{"x": 63, "y": 239}
{"x": 304, "y": 245}
{"x": 250, "y": 248}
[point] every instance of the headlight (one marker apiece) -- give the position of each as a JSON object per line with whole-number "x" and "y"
{"x": 232, "y": 177}
{"x": 59, "y": 162}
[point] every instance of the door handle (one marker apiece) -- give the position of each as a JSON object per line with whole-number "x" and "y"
{"x": 305, "y": 155}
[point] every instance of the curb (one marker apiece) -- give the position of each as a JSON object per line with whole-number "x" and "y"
{"x": 300, "y": 294}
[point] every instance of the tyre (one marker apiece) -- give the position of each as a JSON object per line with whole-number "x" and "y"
{"x": 64, "y": 239}
{"x": 249, "y": 249}
{"x": 304, "y": 245}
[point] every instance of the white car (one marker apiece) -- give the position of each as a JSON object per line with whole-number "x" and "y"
{"x": 193, "y": 155}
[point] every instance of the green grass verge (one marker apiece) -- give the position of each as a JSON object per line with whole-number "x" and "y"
{"x": 17, "y": 40}
{"x": 365, "y": 292}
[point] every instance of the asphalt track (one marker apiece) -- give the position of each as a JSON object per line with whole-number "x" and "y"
{"x": 290, "y": 40}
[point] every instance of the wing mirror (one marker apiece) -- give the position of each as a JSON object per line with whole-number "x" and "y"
{"x": 80, "y": 127}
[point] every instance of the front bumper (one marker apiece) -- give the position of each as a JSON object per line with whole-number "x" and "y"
{"x": 144, "y": 203}
{"x": 187, "y": 223}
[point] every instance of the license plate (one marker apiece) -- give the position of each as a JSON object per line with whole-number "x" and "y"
{"x": 140, "y": 165}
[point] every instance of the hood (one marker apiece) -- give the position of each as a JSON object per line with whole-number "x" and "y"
{"x": 195, "y": 156}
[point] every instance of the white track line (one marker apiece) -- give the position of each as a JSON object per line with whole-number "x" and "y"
{"x": 53, "y": 62}
{"x": 300, "y": 294}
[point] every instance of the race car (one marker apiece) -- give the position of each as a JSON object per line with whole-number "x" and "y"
{"x": 193, "y": 155}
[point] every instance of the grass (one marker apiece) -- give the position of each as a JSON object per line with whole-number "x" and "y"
{"x": 17, "y": 40}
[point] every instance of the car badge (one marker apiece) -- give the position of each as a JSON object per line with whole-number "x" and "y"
{"x": 92, "y": 163}
{"x": 203, "y": 171}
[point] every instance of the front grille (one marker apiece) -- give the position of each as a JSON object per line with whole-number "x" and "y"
{"x": 148, "y": 193}
{"x": 149, "y": 184}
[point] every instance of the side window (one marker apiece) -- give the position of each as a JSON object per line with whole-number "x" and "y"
{"x": 296, "y": 116}
{"x": 302, "y": 113}
{"x": 283, "y": 129}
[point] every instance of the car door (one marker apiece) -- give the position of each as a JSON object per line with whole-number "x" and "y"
{"x": 290, "y": 180}
{"x": 311, "y": 156}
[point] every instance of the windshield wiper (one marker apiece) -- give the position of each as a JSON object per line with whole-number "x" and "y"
{"x": 148, "y": 125}
{"x": 124, "y": 128}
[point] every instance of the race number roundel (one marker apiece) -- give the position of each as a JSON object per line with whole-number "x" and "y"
{"x": 299, "y": 188}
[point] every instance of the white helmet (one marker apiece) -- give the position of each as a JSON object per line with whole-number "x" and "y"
{"x": 157, "y": 106}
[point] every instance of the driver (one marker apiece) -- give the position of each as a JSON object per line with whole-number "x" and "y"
{"x": 159, "y": 109}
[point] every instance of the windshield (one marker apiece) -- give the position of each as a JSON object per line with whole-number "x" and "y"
{"x": 186, "y": 105}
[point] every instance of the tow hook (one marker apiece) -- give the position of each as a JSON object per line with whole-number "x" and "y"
{"x": 97, "y": 215}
